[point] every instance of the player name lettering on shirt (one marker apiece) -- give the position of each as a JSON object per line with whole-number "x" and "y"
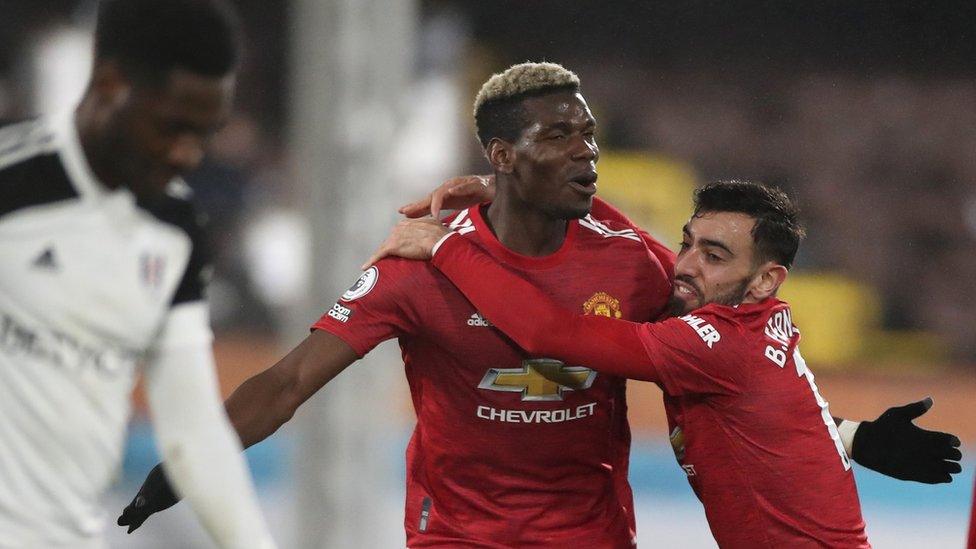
{"x": 706, "y": 331}
{"x": 536, "y": 416}
{"x": 780, "y": 329}
{"x": 62, "y": 350}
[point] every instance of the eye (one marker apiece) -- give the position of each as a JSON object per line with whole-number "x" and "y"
{"x": 557, "y": 137}
{"x": 683, "y": 246}
{"x": 713, "y": 257}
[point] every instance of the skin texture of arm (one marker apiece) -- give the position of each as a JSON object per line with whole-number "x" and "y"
{"x": 266, "y": 401}
{"x": 194, "y": 434}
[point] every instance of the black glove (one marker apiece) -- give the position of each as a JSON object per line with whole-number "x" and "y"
{"x": 154, "y": 496}
{"x": 892, "y": 445}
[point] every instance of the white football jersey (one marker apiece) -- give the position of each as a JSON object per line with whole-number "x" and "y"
{"x": 87, "y": 278}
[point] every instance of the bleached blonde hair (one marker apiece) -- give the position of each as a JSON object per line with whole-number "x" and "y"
{"x": 524, "y": 78}
{"x": 496, "y": 109}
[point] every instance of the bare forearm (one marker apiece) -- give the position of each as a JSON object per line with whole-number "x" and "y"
{"x": 265, "y": 402}
{"x": 260, "y": 406}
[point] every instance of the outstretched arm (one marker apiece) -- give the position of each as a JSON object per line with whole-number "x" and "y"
{"x": 265, "y": 402}
{"x": 539, "y": 326}
{"x": 260, "y": 406}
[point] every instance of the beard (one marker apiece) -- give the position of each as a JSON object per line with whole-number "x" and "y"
{"x": 734, "y": 296}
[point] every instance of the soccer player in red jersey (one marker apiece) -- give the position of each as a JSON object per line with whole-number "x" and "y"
{"x": 510, "y": 449}
{"x": 749, "y": 426}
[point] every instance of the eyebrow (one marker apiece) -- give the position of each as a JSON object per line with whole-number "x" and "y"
{"x": 709, "y": 242}
{"x": 567, "y": 127}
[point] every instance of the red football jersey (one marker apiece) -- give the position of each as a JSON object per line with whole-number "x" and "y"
{"x": 510, "y": 449}
{"x": 603, "y": 210}
{"x": 747, "y": 423}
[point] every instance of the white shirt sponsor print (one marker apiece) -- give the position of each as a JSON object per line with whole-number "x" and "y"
{"x": 536, "y": 416}
{"x": 538, "y": 380}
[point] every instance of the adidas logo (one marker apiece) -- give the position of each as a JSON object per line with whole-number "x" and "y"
{"x": 46, "y": 260}
{"x": 478, "y": 320}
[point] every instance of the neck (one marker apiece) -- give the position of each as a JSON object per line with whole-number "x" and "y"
{"x": 87, "y": 124}
{"x": 523, "y": 228}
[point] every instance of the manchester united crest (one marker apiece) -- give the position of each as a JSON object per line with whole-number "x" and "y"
{"x": 602, "y": 304}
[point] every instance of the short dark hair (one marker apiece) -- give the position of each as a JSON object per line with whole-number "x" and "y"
{"x": 777, "y": 232}
{"x": 505, "y": 119}
{"x": 149, "y": 38}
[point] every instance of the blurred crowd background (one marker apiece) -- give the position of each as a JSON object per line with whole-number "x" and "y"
{"x": 865, "y": 111}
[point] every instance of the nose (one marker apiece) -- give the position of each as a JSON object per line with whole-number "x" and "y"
{"x": 586, "y": 150}
{"x": 686, "y": 264}
{"x": 186, "y": 153}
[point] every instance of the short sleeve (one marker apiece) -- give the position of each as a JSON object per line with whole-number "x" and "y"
{"x": 373, "y": 309}
{"x": 693, "y": 354}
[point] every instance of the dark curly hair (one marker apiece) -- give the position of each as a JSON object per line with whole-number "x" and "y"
{"x": 777, "y": 232}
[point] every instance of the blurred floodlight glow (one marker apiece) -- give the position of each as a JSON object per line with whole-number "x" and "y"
{"x": 429, "y": 147}
{"x": 277, "y": 249}
{"x": 61, "y": 62}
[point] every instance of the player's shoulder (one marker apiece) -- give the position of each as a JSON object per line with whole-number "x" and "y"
{"x": 746, "y": 321}
{"x": 613, "y": 239}
{"x": 460, "y": 221}
{"x": 25, "y": 137}
{"x": 608, "y": 231}
{"x": 398, "y": 266}
{"x": 406, "y": 278}
{"x": 31, "y": 170}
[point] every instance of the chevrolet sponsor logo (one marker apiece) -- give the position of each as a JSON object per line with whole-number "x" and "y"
{"x": 539, "y": 379}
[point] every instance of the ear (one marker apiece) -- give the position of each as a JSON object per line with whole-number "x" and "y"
{"x": 767, "y": 281}
{"x": 109, "y": 84}
{"x": 501, "y": 155}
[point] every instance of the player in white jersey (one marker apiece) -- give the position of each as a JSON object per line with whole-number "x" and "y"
{"x": 102, "y": 270}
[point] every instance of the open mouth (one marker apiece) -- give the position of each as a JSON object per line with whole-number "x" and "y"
{"x": 684, "y": 289}
{"x": 584, "y": 183}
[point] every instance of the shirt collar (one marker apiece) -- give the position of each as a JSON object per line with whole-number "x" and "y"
{"x": 73, "y": 156}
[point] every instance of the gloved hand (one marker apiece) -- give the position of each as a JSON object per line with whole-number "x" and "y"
{"x": 155, "y": 495}
{"x": 894, "y": 446}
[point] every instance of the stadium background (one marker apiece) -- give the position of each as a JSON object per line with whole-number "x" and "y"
{"x": 347, "y": 108}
